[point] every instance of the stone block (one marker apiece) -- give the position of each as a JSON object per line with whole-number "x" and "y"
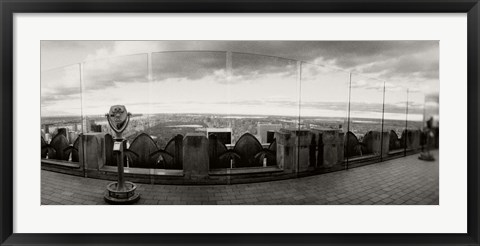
{"x": 374, "y": 144}
{"x": 92, "y": 150}
{"x": 386, "y": 144}
{"x": 413, "y": 139}
{"x": 304, "y": 140}
{"x": 330, "y": 146}
{"x": 285, "y": 150}
{"x": 340, "y": 147}
{"x": 293, "y": 149}
{"x": 371, "y": 140}
{"x": 195, "y": 155}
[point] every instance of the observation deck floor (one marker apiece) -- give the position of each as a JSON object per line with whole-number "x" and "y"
{"x": 405, "y": 180}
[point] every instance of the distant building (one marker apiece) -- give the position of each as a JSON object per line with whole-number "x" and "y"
{"x": 84, "y": 126}
{"x": 224, "y": 135}
{"x": 264, "y": 128}
{"x": 93, "y": 127}
{"x": 270, "y": 136}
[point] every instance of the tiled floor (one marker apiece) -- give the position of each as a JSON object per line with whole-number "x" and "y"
{"x": 400, "y": 181}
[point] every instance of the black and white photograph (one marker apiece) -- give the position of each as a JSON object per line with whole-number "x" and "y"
{"x": 215, "y": 122}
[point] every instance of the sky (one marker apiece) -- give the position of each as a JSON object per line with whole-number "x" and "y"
{"x": 259, "y": 77}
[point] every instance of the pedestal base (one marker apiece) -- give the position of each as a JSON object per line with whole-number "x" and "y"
{"x": 125, "y": 196}
{"x": 426, "y": 157}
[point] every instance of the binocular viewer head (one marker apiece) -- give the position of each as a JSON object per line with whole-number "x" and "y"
{"x": 118, "y": 118}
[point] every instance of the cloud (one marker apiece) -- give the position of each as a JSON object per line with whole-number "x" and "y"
{"x": 285, "y": 103}
{"x": 361, "y": 82}
{"x": 365, "y": 107}
{"x": 103, "y": 73}
{"x": 325, "y": 105}
{"x": 60, "y": 84}
{"x": 251, "y": 67}
{"x": 188, "y": 65}
{"x": 61, "y": 93}
{"x": 423, "y": 65}
{"x": 196, "y": 65}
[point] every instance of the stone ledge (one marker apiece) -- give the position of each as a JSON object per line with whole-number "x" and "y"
{"x": 396, "y": 151}
{"x": 244, "y": 170}
{"x": 61, "y": 163}
{"x": 213, "y": 177}
{"x": 145, "y": 171}
{"x": 232, "y": 146}
{"x": 362, "y": 158}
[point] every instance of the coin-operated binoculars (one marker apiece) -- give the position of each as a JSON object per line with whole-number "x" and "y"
{"x": 120, "y": 192}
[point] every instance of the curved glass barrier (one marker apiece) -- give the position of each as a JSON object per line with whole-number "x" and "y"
{"x": 324, "y": 97}
{"x": 245, "y": 104}
{"x": 414, "y": 120}
{"x": 263, "y": 95}
{"x": 117, "y": 80}
{"x": 61, "y": 115}
{"x": 394, "y": 116}
{"x": 365, "y": 118}
{"x": 431, "y": 112}
{"x": 188, "y": 94}
{"x": 324, "y": 111}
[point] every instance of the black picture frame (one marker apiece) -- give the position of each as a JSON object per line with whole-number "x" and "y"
{"x": 9, "y": 7}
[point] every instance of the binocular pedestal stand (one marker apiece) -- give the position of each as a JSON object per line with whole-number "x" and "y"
{"x": 121, "y": 192}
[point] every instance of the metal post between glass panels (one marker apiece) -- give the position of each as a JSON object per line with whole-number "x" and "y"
{"x": 383, "y": 122}
{"x": 83, "y": 120}
{"x": 406, "y": 127}
{"x": 348, "y": 117}
{"x": 299, "y": 84}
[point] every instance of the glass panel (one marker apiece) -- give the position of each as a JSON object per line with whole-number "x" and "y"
{"x": 189, "y": 94}
{"x": 324, "y": 97}
{"x": 394, "y": 116}
{"x": 118, "y": 80}
{"x": 60, "y": 111}
{"x": 114, "y": 81}
{"x": 416, "y": 102}
{"x": 366, "y": 103}
{"x": 264, "y": 95}
{"x": 415, "y": 121}
{"x": 431, "y": 109}
{"x": 324, "y": 110}
{"x": 431, "y": 112}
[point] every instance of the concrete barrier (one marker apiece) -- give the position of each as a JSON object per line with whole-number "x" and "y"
{"x": 330, "y": 145}
{"x": 373, "y": 142}
{"x": 298, "y": 153}
{"x": 195, "y": 156}
{"x": 293, "y": 149}
{"x": 92, "y": 150}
